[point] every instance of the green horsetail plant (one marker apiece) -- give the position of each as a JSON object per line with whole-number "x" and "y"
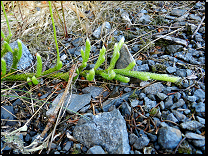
{"x": 131, "y": 65}
{"x": 122, "y": 78}
{"x": 59, "y": 63}
{"x": 10, "y": 33}
{"x": 2, "y": 35}
{"x": 109, "y": 75}
{"x": 3, "y": 67}
{"x": 116, "y": 53}
{"x": 90, "y": 76}
{"x": 8, "y": 47}
{"x": 120, "y": 74}
{"x": 101, "y": 58}
{"x": 39, "y": 65}
{"x": 15, "y": 60}
{"x": 19, "y": 54}
{"x": 146, "y": 75}
{"x": 85, "y": 55}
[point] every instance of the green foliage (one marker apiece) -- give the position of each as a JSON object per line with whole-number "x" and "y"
{"x": 90, "y": 76}
{"x": 59, "y": 63}
{"x": 15, "y": 60}
{"x": 116, "y": 54}
{"x": 19, "y": 54}
{"x": 3, "y": 67}
{"x": 28, "y": 79}
{"x": 8, "y": 47}
{"x": 34, "y": 80}
{"x": 101, "y": 58}
{"x": 110, "y": 73}
{"x": 39, "y": 65}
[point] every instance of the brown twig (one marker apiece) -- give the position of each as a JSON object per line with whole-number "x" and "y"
{"x": 60, "y": 104}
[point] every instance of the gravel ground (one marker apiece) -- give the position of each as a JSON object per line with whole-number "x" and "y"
{"x": 139, "y": 117}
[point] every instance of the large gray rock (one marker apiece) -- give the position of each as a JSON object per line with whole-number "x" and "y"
{"x": 24, "y": 62}
{"x": 107, "y": 130}
{"x": 125, "y": 58}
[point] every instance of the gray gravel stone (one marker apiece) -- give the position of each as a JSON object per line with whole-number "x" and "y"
{"x": 107, "y": 130}
{"x": 145, "y": 19}
{"x": 177, "y": 96}
{"x": 201, "y": 120}
{"x": 177, "y": 12}
{"x": 68, "y": 146}
{"x": 161, "y": 96}
{"x": 96, "y": 150}
{"x": 181, "y": 72}
{"x": 134, "y": 103}
{"x": 24, "y": 62}
{"x": 198, "y": 37}
{"x": 199, "y": 143}
{"x": 143, "y": 67}
{"x": 199, "y": 107}
{"x": 173, "y": 48}
{"x": 199, "y": 93}
{"x": 136, "y": 48}
{"x": 171, "y": 69}
{"x": 162, "y": 105}
{"x": 195, "y": 136}
{"x": 169, "y": 137}
{"x": 77, "y": 42}
{"x": 126, "y": 109}
{"x": 193, "y": 17}
{"x": 139, "y": 62}
{"x": 6, "y": 115}
{"x": 93, "y": 90}
{"x": 138, "y": 142}
{"x": 148, "y": 104}
{"x": 191, "y": 125}
{"x": 191, "y": 98}
{"x": 154, "y": 88}
{"x": 178, "y": 115}
{"x": 116, "y": 101}
{"x": 152, "y": 137}
{"x": 142, "y": 96}
{"x": 171, "y": 117}
{"x": 180, "y": 103}
{"x": 76, "y": 103}
{"x": 168, "y": 102}
{"x": 106, "y": 29}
